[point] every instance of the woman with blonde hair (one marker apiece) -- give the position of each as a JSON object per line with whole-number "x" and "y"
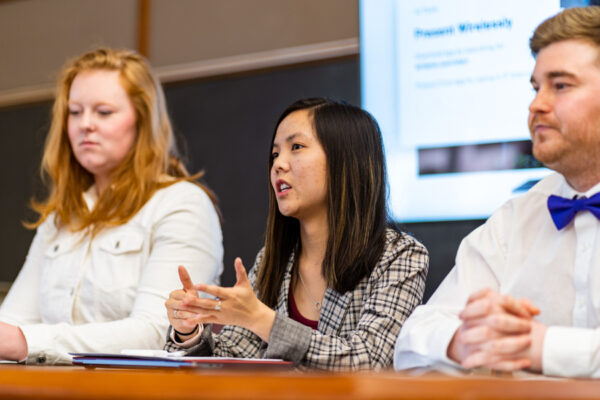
{"x": 121, "y": 213}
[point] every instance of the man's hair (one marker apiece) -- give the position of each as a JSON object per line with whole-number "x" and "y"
{"x": 580, "y": 23}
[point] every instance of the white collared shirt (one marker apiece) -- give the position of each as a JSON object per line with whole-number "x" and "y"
{"x": 519, "y": 251}
{"x": 106, "y": 294}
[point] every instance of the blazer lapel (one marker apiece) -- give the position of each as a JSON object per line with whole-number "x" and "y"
{"x": 335, "y": 308}
{"x": 282, "y": 305}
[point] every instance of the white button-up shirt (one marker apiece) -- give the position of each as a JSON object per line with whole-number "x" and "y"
{"x": 519, "y": 251}
{"x": 78, "y": 294}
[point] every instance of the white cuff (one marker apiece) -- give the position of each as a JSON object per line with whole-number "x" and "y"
{"x": 442, "y": 338}
{"x": 39, "y": 345}
{"x": 567, "y": 351}
{"x": 194, "y": 340}
{"x": 426, "y": 343}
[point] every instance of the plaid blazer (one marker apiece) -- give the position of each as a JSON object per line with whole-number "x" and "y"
{"x": 357, "y": 330}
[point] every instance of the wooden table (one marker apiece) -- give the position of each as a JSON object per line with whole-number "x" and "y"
{"x": 17, "y": 381}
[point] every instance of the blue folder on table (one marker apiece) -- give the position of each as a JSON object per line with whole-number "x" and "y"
{"x": 108, "y": 360}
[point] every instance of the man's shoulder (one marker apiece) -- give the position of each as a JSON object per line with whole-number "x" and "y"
{"x": 548, "y": 185}
{"x": 525, "y": 209}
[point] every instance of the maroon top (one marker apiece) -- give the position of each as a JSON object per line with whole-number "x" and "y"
{"x": 295, "y": 314}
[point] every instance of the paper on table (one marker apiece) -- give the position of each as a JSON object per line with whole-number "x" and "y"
{"x": 152, "y": 353}
{"x": 180, "y": 355}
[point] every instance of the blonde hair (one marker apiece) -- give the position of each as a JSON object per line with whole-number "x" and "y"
{"x": 580, "y": 23}
{"x": 134, "y": 181}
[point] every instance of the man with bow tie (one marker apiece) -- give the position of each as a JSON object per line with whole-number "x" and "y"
{"x": 525, "y": 290}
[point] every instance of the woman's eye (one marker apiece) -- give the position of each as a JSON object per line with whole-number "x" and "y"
{"x": 105, "y": 113}
{"x": 274, "y": 155}
{"x": 296, "y": 146}
{"x": 73, "y": 112}
{"x": 560, "y": 85}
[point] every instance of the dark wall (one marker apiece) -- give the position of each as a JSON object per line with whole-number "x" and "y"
{"x": 226, "y": 124}
{"x": 442, "y": 240}
{"x": 22, "y": 133}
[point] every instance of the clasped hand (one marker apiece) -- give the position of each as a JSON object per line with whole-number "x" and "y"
{"x": 498, "y": 332}
{"x": 237, "y": 305}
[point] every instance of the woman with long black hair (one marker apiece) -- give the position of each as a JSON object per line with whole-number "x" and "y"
{"x": 334, "y": 281}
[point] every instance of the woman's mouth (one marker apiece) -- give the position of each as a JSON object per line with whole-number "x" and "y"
{"x": 282, "y": 187}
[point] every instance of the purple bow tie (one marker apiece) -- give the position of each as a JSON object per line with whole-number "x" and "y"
{"x": 563, "y": 210}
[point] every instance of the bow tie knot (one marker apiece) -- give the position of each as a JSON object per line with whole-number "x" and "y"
{"x": 579, "y": 204}
{"x": 564, "y": 210}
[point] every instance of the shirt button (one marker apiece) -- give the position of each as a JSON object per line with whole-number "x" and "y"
{"x": 41, "y": 359}
{"x": 586, "y": 246}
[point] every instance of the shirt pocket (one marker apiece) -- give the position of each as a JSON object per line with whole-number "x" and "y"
{"x": 59, "y": 274}
{"x": 118, "y": 260}
{"x": 124, "y": 242}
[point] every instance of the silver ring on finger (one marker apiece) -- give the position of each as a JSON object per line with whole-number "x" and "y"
{"x": 218, "y": 306}
{"x": 175, "y": 313}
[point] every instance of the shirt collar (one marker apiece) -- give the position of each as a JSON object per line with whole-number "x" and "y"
{"x": 90, "y": 197}
{"x": 568, "y": 192}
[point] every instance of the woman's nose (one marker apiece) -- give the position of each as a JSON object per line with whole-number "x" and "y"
{"x": 280, "y": 163}
{"x": 87, "y": 120}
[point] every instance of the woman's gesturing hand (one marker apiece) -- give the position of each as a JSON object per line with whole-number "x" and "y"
{"x": 182, "y": 320}
{"x": 237, "y": 305}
